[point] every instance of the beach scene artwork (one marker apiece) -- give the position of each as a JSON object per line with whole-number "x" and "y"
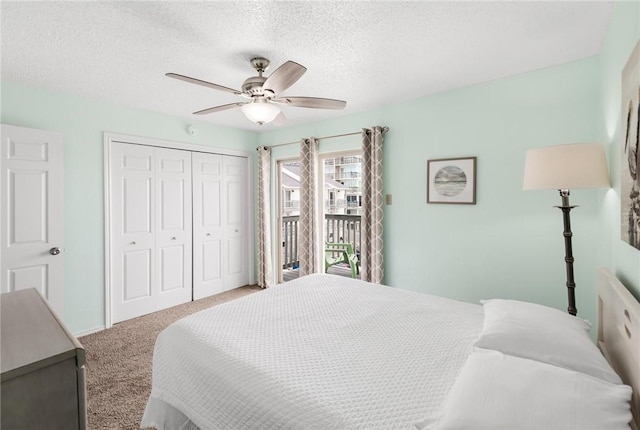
{"x": 451, "y": 180}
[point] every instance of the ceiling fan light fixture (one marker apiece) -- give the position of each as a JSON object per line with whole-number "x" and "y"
{"x": 264, "y": 93}
{"x": 260, "y": 111}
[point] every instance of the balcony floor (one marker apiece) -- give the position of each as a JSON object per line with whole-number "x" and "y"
{"x": 338, "y": 269}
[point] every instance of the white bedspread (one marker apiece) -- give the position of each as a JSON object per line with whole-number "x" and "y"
{"x": 320, "y": 352}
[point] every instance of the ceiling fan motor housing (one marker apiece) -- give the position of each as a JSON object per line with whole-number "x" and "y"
{"x": 253, "y": 86}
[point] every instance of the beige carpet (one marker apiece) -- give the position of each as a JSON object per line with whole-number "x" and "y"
{"x": 119, "y": 363}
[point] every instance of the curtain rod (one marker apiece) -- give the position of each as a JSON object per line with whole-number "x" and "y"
{"x": 384, "y": 130}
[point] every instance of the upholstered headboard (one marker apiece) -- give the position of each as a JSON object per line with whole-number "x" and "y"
{"x": 619, "y": 333}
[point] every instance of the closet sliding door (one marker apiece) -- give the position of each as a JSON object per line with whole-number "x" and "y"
{"x": 151, "y": 228}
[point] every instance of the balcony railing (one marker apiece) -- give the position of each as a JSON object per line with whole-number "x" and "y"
{"x": 291, "y": 204}
{"x": 348, "y": 160}
{"x": 347, "y": 175}
{"x": 334, "y": 204}
{"x": 337, "y": 227}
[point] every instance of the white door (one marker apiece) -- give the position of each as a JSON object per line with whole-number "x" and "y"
{"x": 150, "y": 229}
{"x": 220, "y": 250}
{"x": 208, "y": 233}
{"x": 234, "y": 259}
{"x": 173, "y": 232}
{"x": 32, "y": 217}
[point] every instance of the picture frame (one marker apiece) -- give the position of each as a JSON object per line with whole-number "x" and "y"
{"x": 630, "y": 151}
{"x": 452, "y": 180}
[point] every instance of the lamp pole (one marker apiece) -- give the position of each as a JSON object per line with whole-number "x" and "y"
{"x": 568, "y": 251}
{"x": 565, "y": 167}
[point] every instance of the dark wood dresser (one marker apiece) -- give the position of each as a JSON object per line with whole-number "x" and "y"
{"x": 42, "y": 364}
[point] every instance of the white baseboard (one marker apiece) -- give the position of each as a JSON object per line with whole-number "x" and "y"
{"x": 90, "y": 331}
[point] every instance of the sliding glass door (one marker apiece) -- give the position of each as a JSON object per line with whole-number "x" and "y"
{"x": 288, "y": 218}
{"x": 342, "y": 207}
{"x": 341, "y": 181}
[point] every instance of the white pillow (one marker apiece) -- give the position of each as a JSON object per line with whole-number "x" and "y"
{"x": 496, "y": 391}
{"x": 544, "y": 334}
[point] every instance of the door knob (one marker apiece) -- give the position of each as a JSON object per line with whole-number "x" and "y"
{"x": 54, "y": 251}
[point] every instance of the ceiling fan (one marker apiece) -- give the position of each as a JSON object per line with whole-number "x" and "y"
{"x": 264, "y": 93}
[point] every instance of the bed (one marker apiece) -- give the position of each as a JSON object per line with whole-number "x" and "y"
{"x": 325, "y": 352}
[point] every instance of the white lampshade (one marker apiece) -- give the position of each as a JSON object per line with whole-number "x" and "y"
{"x": 260, "y": 111}
{"x": 566, "y": 167}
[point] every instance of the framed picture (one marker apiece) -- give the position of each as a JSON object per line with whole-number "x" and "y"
{"x": 630, "y": 163}
{"x": 452, "y": 180}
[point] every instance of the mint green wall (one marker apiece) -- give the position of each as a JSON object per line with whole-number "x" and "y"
{"x": 82, "y": 122}
{"x": 622, "y": 36}
{"x": 510, "y": 243}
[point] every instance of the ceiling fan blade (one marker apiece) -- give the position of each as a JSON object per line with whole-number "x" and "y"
{"x": 311, "y": 102}
{"x": 203, "y": 83}
{"x": 284, "y": 76}
{"x": 279, "y": 120}
{"x": 219, "y": 108}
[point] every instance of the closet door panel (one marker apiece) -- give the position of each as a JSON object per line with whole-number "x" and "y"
{"x": 234, "y": 203}
{"x": 212, "y": 253}
{"x": 133, "y": 218}
{"x": 172, "y": 212}
{"x": 236, "y": 272}
{"x": 235, "y": 260}
{"x": 136, "y": 274}
{"x": 211, "y": 203}
{"x": 150, "y": 229}
{"x": 207, "y": 225}
{"x": 136, "y": 194}
{"x": 172, "y": 268}
{"x": 173, "y": 236}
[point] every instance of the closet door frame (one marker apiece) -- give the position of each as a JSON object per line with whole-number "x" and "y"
{"x": 110, "y": 138}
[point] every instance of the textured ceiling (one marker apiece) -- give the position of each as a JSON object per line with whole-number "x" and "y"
{"x": 371, "y": 54}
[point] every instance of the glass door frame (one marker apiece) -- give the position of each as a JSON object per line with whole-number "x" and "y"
{"x": 280, "y": 216}
{"x": 321, "y": 184}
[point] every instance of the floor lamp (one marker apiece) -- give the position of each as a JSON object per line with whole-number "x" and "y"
{"x": 566, "y": 167}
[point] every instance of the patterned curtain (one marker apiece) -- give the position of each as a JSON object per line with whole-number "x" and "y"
{"x": 265, "y": 267}
{"x": 372, "y": 210}
{"x": 308, "y": 225}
